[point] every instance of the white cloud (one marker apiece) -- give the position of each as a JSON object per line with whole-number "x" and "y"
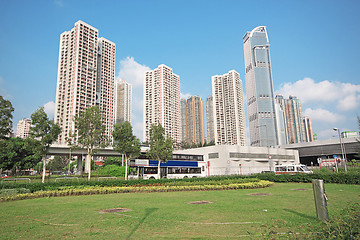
{"x": 322, "y": 115}
{"x": 327, "y": 134}
{"x": 346, "y": 96}
{"x": 49, "y": 109}
{"x": 185, "y": 95}
{"x": 134, "y": 73}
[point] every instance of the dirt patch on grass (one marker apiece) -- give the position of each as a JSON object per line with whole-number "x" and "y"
{"x": 200, "y": 202}
{"x": 301, "y": 189}
{"x": 260, "y": 194}
{"x": 115, "y": 210}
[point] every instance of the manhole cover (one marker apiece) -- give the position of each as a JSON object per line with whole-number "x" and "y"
{"x": 301, "y": 189}
{"x": 259, "y": 194}
{"x": 200, "y": 202}
{"x": 115, "y": 210}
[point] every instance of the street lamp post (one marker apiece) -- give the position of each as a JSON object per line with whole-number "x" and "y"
{"x": 342, "y": 148}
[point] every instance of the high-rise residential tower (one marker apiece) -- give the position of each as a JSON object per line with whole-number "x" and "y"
{"x": 293, "y": 118}
{"x": 309, "y": 136}
{"x": 183, "y": 120}
{"x": 162, "y": 102}
{"x": 86, "y": 75}
{"x": 192, "y": 117}
{"x": 259, "y": 88}
{"x": 23, "y": 128}
{"x": 123, "y": 103}
{"x": 210, "y": 120}
{"x": 228, "y": 109}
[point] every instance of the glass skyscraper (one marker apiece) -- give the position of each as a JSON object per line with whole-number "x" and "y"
{"x": 259, "y": 88}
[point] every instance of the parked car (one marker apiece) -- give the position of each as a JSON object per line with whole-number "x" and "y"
{"x": 4, "y": 176}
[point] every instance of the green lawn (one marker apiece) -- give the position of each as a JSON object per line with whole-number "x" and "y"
{"x": 233, "y": 214}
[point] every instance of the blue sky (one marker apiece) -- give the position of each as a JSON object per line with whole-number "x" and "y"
{"x": 314, "y": 50}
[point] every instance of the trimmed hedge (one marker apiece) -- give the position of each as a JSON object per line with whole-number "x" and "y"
{"x": 34, "y": 187}
{"x": 90, "y": 190}
{"x": 341, "y": 178}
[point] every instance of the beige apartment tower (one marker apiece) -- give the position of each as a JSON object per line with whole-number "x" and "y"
{"x": 162, "y": 102}
{"x": 123, "y": 103}
{"x": 210, "y": 120}
{"x": 228, "y": 109}
{"x": 86, "y": 75}
{"x": 23, "y": 128}
{"x": 192, "y": 120}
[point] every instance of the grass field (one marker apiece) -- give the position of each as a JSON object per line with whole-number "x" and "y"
{"x": 282, "y": 208}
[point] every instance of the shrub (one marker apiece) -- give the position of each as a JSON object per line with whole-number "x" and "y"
{"x": 344, "y": 226}
{"x": 342, "y": 178}
{"x": 89, "y": 190}
{"x": 111, "y": 170}
{"x": 13, "y": 191}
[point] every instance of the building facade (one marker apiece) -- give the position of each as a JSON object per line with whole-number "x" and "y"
{"x": 243, "y": 160}
{"x": 293, "y": 118}
{"x": 23, "y": 128}
{"x": 86, "y": 75}
{"x": 309, "y": 135}
{"x": 192, "y": 117}
{"x": 259, "y": 88}
{"x": 162, "y": 102}
{"x": 210, "y": 120}
{"x": 228, "y": 109}
{"x": 123, "y": 101}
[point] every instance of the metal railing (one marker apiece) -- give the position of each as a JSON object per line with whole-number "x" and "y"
{"x": 67, "y": 178}
{"x": 106, "y": 178}
{"x": 15, "y": 179}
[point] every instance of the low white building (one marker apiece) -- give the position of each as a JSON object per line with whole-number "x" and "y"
{"x": 242, "y": 160}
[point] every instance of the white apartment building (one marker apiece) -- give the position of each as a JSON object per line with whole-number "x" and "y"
{"x": 210, "y": 119}
{"x": 162, "y": 102}
{"x": 228, "y": 109}
{"x": 86, "y": 75}
{"x": 23, "y": 128}
{"x": 123, "y": 102}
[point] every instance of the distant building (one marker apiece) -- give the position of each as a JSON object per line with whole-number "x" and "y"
{"x": 162, "y": 102}
{"x": 210, "y": 119}
{"x": 280, "y": 124}
{"x": 123, "y": 102}
{"x": 228, "y": 107}
{"x": 293, "y": 118}
{"x": 192, "y": 117}
{"x": 259, "y": 88}
{"x": 349, "y": 134}
{"x": 309, "y": 136}
{"x": 86, "y": 76}
{"x": 183, "y": 119}
{"x": 23, "y": 128}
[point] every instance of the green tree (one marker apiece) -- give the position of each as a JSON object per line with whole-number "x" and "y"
{"x": 45, "y": 132}
{"x": 113, "y": 161}
{"x": 161, "y": 149}
{"x": 58, "y": 163}
{"x": 90, "y": 134}
{"x": 17, "y": 154}
{"x": 6, "y": 110}
{"x": 125, "y": 142}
